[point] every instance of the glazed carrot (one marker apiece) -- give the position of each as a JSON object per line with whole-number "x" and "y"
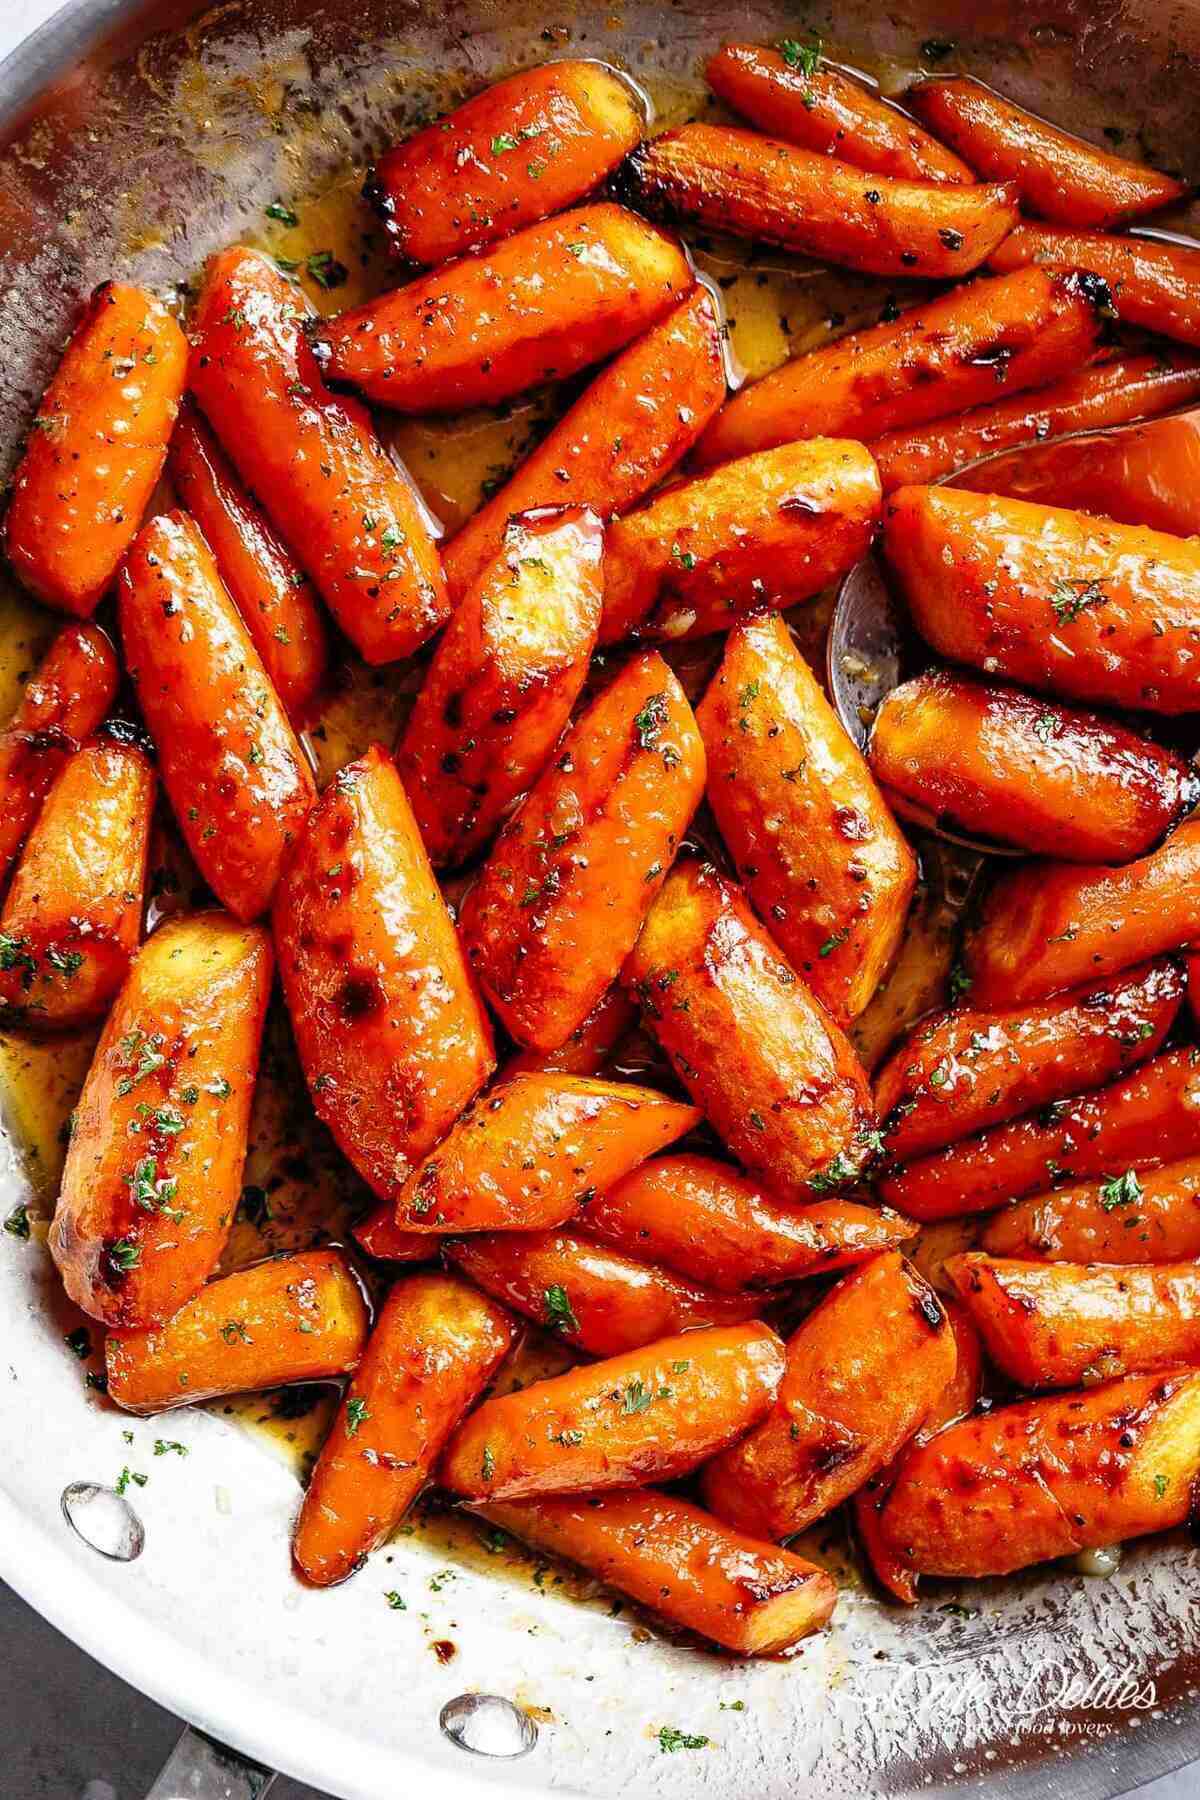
{"x": 234, "y": 772}
{"x": 716, "y": 1225}
{"x": 1049, "y": 1477}
{"x": 1153, "y": 1217}
{"x": 774, "y": 1075}
{"x": 998, "y": 763}
{"x": 154, "y": 1163}
{"x": 1048, "y": 926}
{"x": 649, "y": 1415}
{"x": 533, "y": 1150}
{"x": 1154, "y": 283}
{"x": 380, "y": 1236}
{"x": 313, "y": 460}
{"x": 863, "y": 1371}
{"x": 635, "y": 421}
{"x": 392, "y": 1037}
{"x": 767, "y": 530}
{"x": 435, "y": 1346}
{"x": 826, "y": 110}
{"x": 96, "y": 448}
{"x": 1145, "y": 1119}
{"x": 670, "y": 1556}
{"x": 1057, "y": 176}
{"x": 590, "y": 1047}
{"x": 966, "y": 1069}
{"x": 992, "y": 336}
{"x": 73, "y": 915}
{"x": 277, "y": 601}
{"x": 503, "y": 680}
{"x": 538, "y": 307}
{"x": 291, "y": 1318}
{"x": 1083, "y": 607}
{"x": 522, "y": 149}
{"x": 63, "y": 703}
{"x": 1128, "y": 387}
{"x": 762, "y": 188}
{"x": 823, "y": 860}
{"x": 561, "y": 898}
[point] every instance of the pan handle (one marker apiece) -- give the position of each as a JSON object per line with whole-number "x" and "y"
{"x": 199, "y": 1768}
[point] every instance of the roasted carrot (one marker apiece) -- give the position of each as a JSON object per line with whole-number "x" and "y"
{"x": 312, "y": 459}
{"x": 291, "y": 1318}
{"x": 649, "y": 1415}
{"x": 863, "y": 1371}
{"x": 391, "y": 1034}
{"x": 1049, "y": 926}
{"x": 960, "y": 350}
{"x": 964, "y": 1070}
{"x": 765, "y": 531}
{"x": 1083, "y": 607}
{"x": 154, "y": 1162}
{"x": 822, "y": 108}
{"x": 1057, "y": 176}
{"x": 503, "y": 680}
{"x": 1145, "y": 1119}
{"x": 1049, "y": 1477}
{"x": 435, "y": 1346}
{"x": 768, "y": 190}
{"x": 994, "y": 761}
{"x": 561, "y": 898}
{"x": 716, "y": 1225}
{"x": 63, "y": 703}
{"x": 590, "y": 1047}
{"x": 380, "y": 1236}
{"x": 96, "y": 448}
{"x": 635, "y": 421}
{"x": 823, "y": 860}
{"x": 1154, "y": 282}
{"x": 670, "y": 1556}
{"x": 522, "y": 149}
{"x": 276, "y": 599}
{"x": 1153, "y": 1217}
{"x": 237, "y": 779}
{"x": 758, "y": 1052}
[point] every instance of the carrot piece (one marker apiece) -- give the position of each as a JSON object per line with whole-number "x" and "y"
{"x": 966, "y": 1069}
{"x": 234, "y": 772}
{"x": 380, "y": 1236}
{"x": 73, "y": 915}
{"x": 1049, "y": 597}
{"x": 277, "y": 601}
{"x": 1154, "y": 283}
{"x": 1145, "y": 1119}
{"x": 670, "y": 1556}
{"x": 826, "y": 110}
{"x": 96, "y": 448}
{"x": 561, "y": 898}
{"x": 1153, "y": 1217}
{"x": 503, "y": 680}
{"x": 529, "y": 1153}
{"x": 154, "y": 1162}
{"x": 63, "y": 703}
{"x": 589, "y": 1049}
{"x": 291, "y": 1318}
{"x": 312, "y": 459}
{"x": 823, "y": 860}
{"x": 997, "y": 335}
{"x": 1112, "y": 393}
{"x": 391, "y": 1034}
{"x": 649, "y": 1415}
{"x": 1049, "y": 1477}
{"x": 715, "y": 1225}
{"x": 435, "y": 1346}
{"x": 1057, "y": 176}
{"x": 776, "y": 1078}
{"x": 593, "y": 1297}
{"x": 761, "y": 188}
{"x": 522, "y": 149}
{"x": 830, "y": 1429}
{"x": 767, "y": 530}
{"x": 635, "y": 421}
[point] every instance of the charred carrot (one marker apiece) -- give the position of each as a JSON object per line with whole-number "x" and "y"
{"x": 1153, "y": 282}
{"x": 589, "y": 1049}
{"x": 1151, "y": 1217}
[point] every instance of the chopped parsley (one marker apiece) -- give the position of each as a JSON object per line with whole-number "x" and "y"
{"x": 1120, "y": 1190}
{"x": 802, "y": 57}
{"x": 671, "y": 1739}
{"x": 325, "y": 269}
{"x": 125, "y": 1255}
{"x": 17, "y": 1222}
{"x": 1070, "y": 598}
{"x": 128, "y": 1475}
{"x": 169, "y": 1447}
{"x": 396, "y": 1601}
{"x": 559, "y": 1312}
{"x": 281, "y": 213}
{"x": 636, "y": 1397}
{"x": 357, "y": 1411}
{"x": 649, "y": 722}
